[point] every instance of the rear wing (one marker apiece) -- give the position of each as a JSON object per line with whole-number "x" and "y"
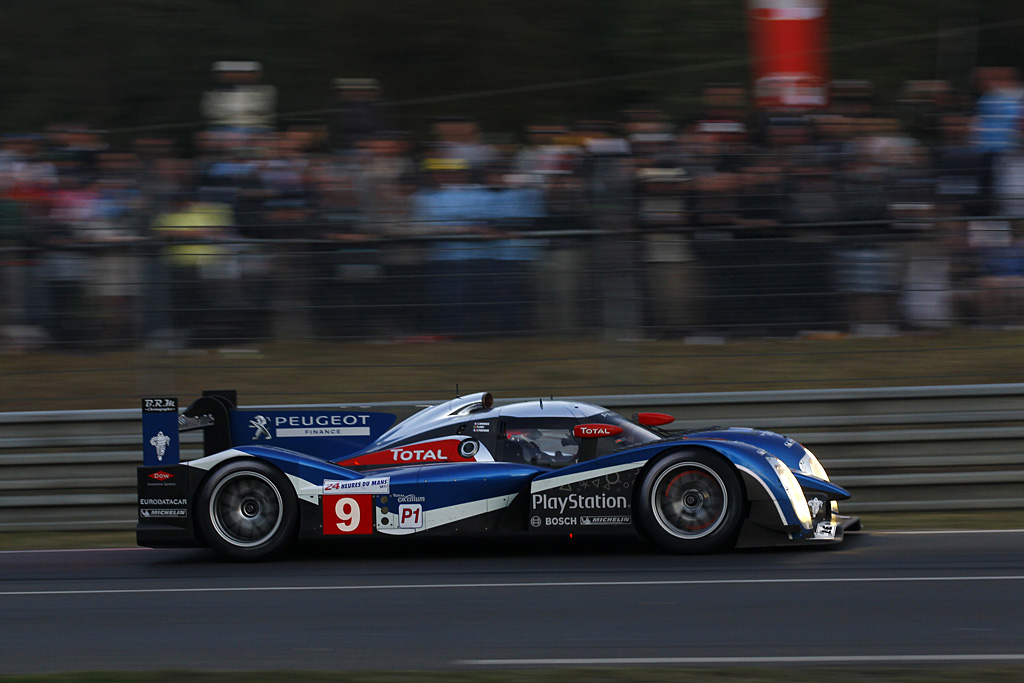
{"x": 323, "y": 433}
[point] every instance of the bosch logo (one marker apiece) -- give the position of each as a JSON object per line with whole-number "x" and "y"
{"x": 468, "y": 448}
{"x": 161, "y": 475}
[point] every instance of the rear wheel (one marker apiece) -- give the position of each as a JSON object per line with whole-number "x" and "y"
{"x": 692, "y": 503}
{"x": 247, "y": 511}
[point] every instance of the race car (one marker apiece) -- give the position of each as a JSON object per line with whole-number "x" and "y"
{"x": 468, "y": 466}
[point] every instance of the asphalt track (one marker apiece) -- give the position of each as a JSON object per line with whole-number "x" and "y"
{"x": 880, "y": 598}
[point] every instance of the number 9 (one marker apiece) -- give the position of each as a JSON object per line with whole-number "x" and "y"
{"x": 347, "y": 510}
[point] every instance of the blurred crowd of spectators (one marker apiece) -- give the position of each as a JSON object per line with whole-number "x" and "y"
{"x": 856, "y": 218}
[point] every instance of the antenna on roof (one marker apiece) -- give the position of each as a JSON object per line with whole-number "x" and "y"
{"x": 456, "y": 390}
{"x": 541, "y": 404}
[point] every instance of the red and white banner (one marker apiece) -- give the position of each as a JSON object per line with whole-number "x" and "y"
{"x": 789, "y": 48}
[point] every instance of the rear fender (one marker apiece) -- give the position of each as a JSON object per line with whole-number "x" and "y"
{"x": 306, "y": 474}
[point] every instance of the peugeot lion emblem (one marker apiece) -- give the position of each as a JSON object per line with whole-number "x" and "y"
{"x": 259, "y": 423}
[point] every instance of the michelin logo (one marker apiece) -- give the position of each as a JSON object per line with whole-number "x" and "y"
{"x": 164, "y": 513}
{"x": 575, "y": 501}
{"x": 607, "y": 519}
{"x": 815, "y": 504}
{"x": 376, "y": 485}
{"x": 160, "y": 442}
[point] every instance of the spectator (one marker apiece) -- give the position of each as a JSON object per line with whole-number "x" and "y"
{"x": 297, "y": 236}
{"x": 545, "y": 155}
{"x": 512, "y": 209}
{"x": 200, "y": 265}
{"x": 12, "y": 255}
{"x": 239, "y": 100}
{"x": 963, "y": 171}
{"x": 458, "y": 137}
{"x": 346, "y": 276}
{"x": 453, "y": 208}
{"x": 561, "y": 274}
{"x": 669, "y": 273}
{"x": 1000, "y": 110}
{"x": 116, "y": 233}
{"x": 996, "y": 295}
{"x": 359, "y": 114}
{"x": 611, "y": 189}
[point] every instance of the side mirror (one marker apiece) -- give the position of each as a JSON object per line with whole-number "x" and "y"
{"x": 653, "y": 419}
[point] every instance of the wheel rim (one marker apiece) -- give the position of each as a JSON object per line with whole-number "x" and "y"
{"x": 246, "y": 509}
{"x": 689, "y": 500}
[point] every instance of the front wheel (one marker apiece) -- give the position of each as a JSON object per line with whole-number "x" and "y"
{"x": 247, "y": 511}
{"x": 692, "y": 503}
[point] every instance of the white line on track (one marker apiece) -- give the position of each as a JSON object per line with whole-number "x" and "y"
{"x": 870, "y": 533}
{"x": 947, "y": 531}
{"x": 523, "y": 584}
{"x": 70, "y": 550}
{"x": 724, "y": 661}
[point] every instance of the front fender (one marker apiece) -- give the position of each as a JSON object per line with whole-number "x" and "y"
{"x": 760, "y": 478}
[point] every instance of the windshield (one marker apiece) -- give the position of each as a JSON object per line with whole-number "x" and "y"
{"x": 632, "y": 434}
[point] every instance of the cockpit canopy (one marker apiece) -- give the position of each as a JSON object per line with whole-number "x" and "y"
{"x": 538, "y": 432}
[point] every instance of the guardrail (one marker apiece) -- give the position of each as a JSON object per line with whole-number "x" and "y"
{"x": 895, "y": 449}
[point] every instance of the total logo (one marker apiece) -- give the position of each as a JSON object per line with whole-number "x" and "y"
{"x": 161, "y": 475}
{"x": 435, "y": 452}
{"x": 591, "y": 431}
{"x": 453, "y": 450}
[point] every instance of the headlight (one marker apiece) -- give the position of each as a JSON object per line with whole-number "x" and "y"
{"x": 793, "y": 490}
{"x": 810, "y": 465}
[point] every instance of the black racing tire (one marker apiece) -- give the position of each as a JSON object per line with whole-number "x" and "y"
{"x": 691, "y": 502}
{"x": 247, "y": 511}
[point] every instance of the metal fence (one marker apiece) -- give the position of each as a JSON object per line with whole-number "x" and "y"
{"x": 607, "y": 281}
{"x": 911, "y": 448}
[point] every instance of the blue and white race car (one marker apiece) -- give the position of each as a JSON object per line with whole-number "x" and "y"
{"x": 468, "y": 466}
